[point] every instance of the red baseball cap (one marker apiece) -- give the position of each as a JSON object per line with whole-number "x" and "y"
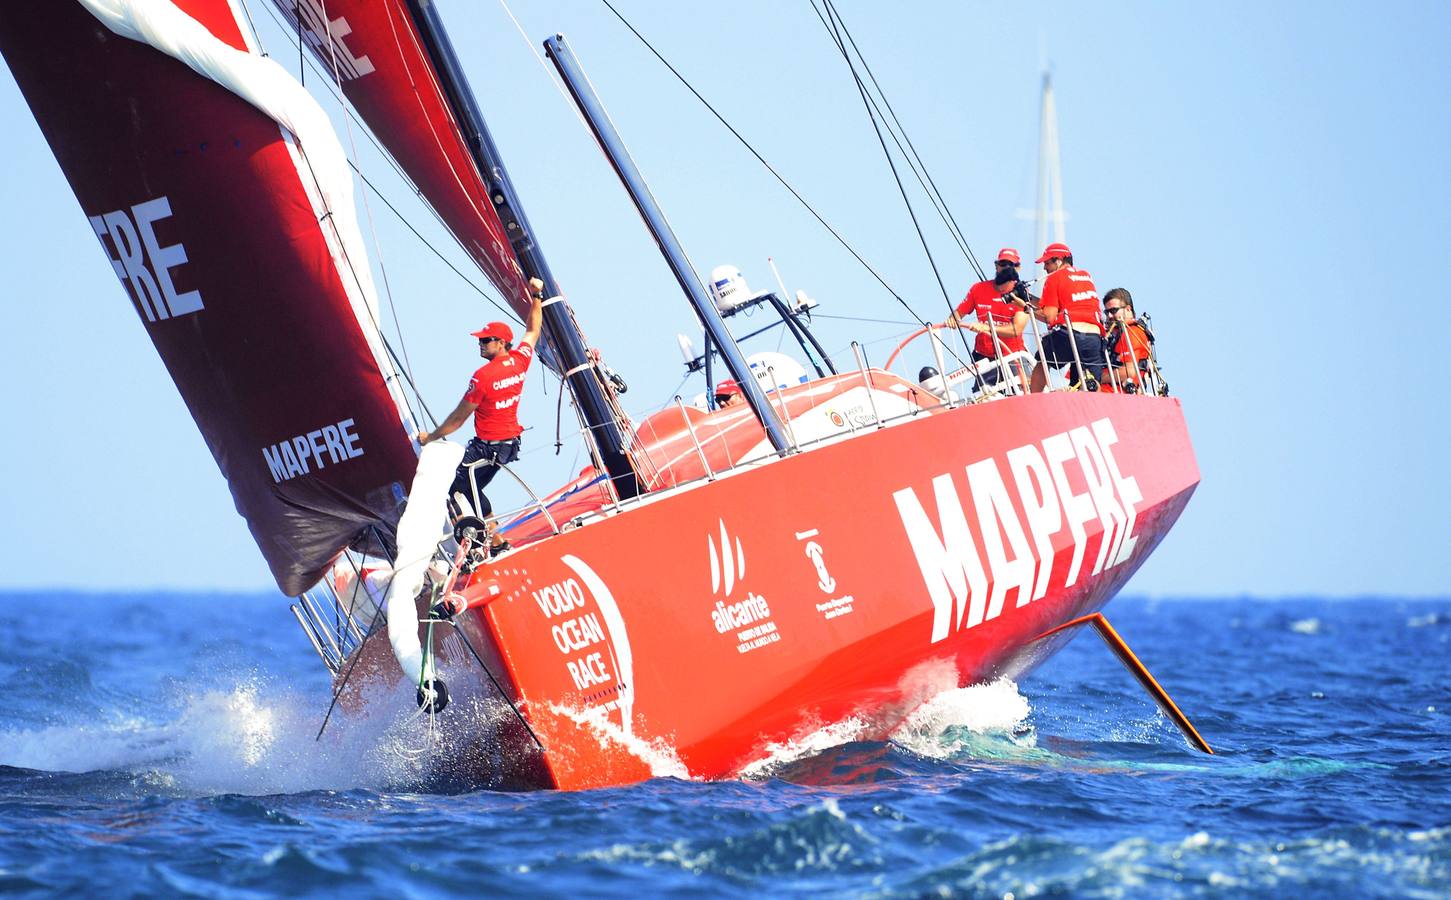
{"x": 1008, "y": 254}
{"x": 499, "y": 330}
{"x": 728, "y": 387}
{"x": 1054, "y": 251}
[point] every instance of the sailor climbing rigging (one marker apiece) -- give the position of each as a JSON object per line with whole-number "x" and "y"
{"x": 492, "y": 399}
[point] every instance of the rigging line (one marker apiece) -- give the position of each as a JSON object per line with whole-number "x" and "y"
{"x": 436, "y": 252}
{"x": 861, "y": 88}
{"x": 353, "y": 271}
{"x": 405, "y": 370}
{"x": 495, "y": 682}
{"x": 784, "y": 183}
{"x": 247, "y": 11}
{"x": 383, "y": 152}
{"x": 544, "y": 64}
{"x": 860, "y": 319}
{"x": 408, "y": 379}
{"x": 358, "y": 653}
{"x": 954, "y": 226}
{"x": 407, "y": 364}
{"x": 762, "y": 160}
{"x": 938, "y": 205}
{"x": 478, "y": 191}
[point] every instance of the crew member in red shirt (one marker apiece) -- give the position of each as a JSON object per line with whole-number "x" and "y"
{"x": 996, "y": 316}
{"x": 1128, "y": 343}
{"x": 1069, "y": 306}
{"x": 492, "y": 399}
{"x": 728, "y": 393}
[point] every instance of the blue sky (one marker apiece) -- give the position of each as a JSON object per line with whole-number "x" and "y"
{"x": 1269, "y": 179}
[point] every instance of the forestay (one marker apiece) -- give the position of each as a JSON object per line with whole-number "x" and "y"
{"x": 373, "y": 50}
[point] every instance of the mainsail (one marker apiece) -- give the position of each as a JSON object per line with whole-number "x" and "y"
{"x": 235, "y": 239}
{"x": 374, "y": 53}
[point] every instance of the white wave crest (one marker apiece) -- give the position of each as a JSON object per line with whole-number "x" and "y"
{"x": 246, "y": 739}
{"x": 656, "y": 753}
{"x": 812, "y": 741}
{"x": 938, "y": 728}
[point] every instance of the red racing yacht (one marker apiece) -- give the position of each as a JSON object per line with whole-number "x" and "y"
{"x": 718, "y": 580}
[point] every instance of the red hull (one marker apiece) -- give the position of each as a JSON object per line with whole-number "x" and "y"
{"x": 856, "y": 579}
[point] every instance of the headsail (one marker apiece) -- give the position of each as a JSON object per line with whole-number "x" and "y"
{"x": 229, "y": 235}
{"x": 396, "y": 65}
{"x": 373, "y": 51}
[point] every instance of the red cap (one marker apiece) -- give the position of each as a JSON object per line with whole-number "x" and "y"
{"x": 1008, "y": 254}
{"x": 496, "y": 330}
{"x": 728, "y": 387}
{"x": 1054, "y": 251}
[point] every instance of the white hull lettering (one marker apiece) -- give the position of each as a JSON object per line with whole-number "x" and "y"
{"x": 996, "y": 520}
{"x": 951, "y": 557}
{"x": 558, "y": 599}
{"x": 950, "y": 564}
{"x": 727, "y": 616}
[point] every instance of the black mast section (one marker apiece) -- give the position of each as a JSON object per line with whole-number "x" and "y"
{"x": 580, "y": 375}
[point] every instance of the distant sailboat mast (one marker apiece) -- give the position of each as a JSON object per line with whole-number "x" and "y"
{"x": 1050, "y": 174}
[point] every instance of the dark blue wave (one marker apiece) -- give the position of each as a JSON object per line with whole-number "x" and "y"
{"x": 164, "y": 745}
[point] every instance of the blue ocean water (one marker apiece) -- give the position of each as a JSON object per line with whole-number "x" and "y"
{"x": 163, "y": 744}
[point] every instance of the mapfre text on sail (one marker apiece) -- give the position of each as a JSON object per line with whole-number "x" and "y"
{"x": 317, "y": 449}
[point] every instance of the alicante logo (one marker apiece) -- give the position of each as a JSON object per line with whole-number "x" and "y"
{"x": 749, "y": 616}
{"x": 727, "y": 564}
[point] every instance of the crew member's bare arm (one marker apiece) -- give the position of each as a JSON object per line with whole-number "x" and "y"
{"x": 535, "y": 324}
{"x": 456, "y": 418}
{"x": 1012, "y": 328}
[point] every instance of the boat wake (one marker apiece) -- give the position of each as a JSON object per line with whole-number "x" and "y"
{"x": 979, "y": 720}
{"x": 245, "y": 739}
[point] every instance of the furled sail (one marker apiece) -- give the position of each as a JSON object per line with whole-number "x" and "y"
{"x": 236, "y": 241}
{"x": 372, "y": 49}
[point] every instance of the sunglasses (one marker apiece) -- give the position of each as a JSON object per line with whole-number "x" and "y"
{"x": 1110, "y": 310}
{"x": 489, "y": 340}
{"x": 1004, "y": 263}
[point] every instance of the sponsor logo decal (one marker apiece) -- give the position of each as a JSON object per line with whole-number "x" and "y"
{"x": 589, "y": 632}
{"x": 749, "y": 617}
{"x": 832, "y": 607}
{"x": 142, "y": 264}
{"x": 317, "y": 449}
{"x": 1017, "y": 554}
{"x": 325, "y": 37}
{"x": 855, "y": 416}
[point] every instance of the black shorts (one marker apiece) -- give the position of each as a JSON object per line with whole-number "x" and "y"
{"x": 1059, "y": 353}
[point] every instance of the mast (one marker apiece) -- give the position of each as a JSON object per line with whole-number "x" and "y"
{"x": 578, "y": 372}
{"x": 619, "y": 157}
{"x": 1050, "y": 172}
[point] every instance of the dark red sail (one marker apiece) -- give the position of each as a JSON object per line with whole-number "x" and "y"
{"x": 213, "y": 218}
{"x": 373, "y": 50}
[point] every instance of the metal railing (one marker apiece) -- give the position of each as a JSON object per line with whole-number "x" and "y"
{"x": 330, "y": 621}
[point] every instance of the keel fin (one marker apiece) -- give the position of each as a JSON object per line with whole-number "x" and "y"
{"x": 1140, "y": 672}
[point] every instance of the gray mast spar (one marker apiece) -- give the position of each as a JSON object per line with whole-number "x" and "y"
{"x": 604, "y": 131}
